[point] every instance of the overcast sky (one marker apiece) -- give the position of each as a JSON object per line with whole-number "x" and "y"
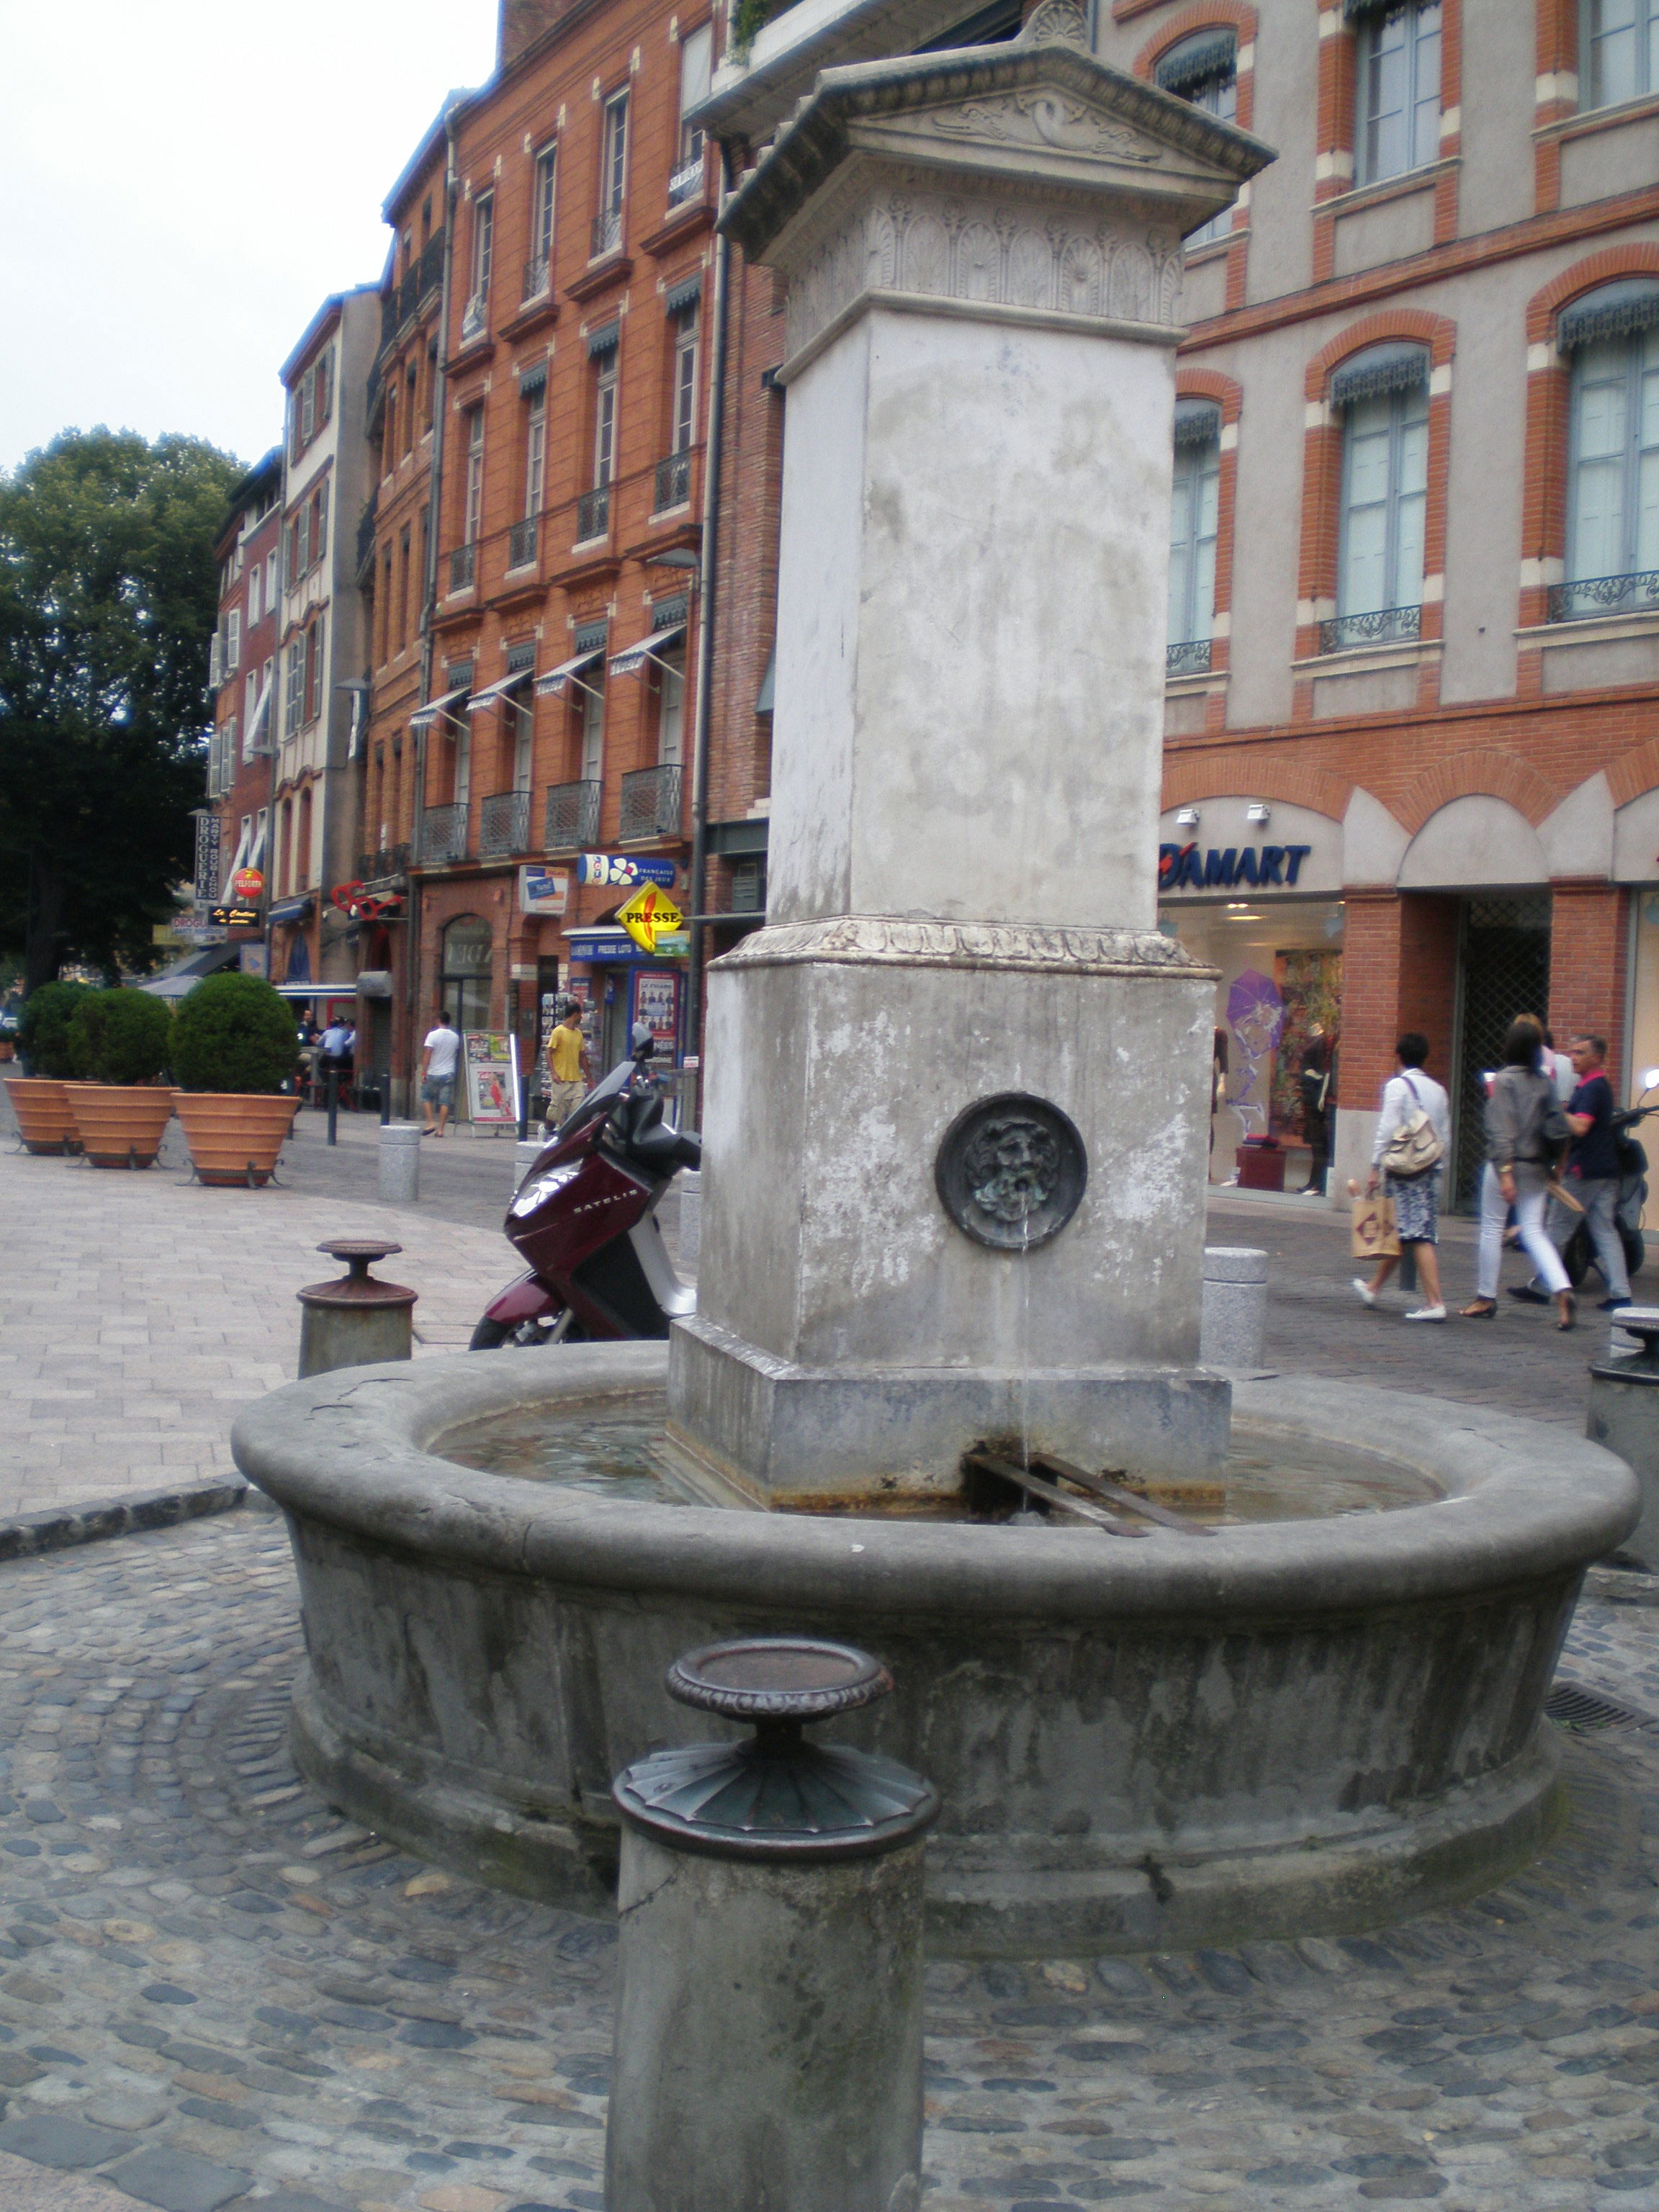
{"x": 185, "y": 181}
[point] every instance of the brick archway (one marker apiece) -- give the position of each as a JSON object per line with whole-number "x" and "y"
{"x": 1488, "y": 774}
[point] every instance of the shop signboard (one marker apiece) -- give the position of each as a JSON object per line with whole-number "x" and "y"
{"x": 674, "y": 945}
{"x": 624, "y": 868}
{"x": 1262, "y": 867}
{"x": 492, "y": 1077}
{"x": 234, "y": 917}
{"x": 190, "y": 933}
{"x": 256, "y": 960}
{"x": 657, "y": 1004}
{"x": 248, "y": 887}
{"x": 649, "y": 915}
{"x": 543, "y": 890}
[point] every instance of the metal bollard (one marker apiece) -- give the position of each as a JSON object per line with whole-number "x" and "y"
{"x": 767, "y": 2045}
{"x": 1235, "y": 1309}
{"x": 400, "y": 1163}
{"x": 333, "y": 1090}
{"x": 356, "y": 1321}
{"x": 386, "y": 1097}
{"x": 1624, "y": 1415}
{"x": 689, "y": 1187}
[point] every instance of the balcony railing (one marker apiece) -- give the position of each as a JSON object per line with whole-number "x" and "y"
{"x": 673, "y": 481}
{"x": 572, "y": 816}
{"x": 593, "y": 513}
{"x": 607, "y": 233}
{"x": 1191, "y": 658}
{"x": 377, "y": 867}
{"x": 685, "y": 183}
{"x": 443, "y": 835}
{"x": 651, "y": 803}
{"x": 521, "y": 543}
{"x": 504, "y": 825}
{"x": 1605, "y": 595}
{"x": 538, "y": 279}
{"x": 1383, "y": 626}
{"x": 366, "y": 533}
{"x": 463, "y": 568}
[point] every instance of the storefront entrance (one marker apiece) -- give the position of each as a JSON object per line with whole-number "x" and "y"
{"x": 1503, "y": 971}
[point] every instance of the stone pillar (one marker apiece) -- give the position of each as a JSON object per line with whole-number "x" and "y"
{"x": 1235, "y": 1313}
{"x": 400, "y": 1163}
{"x": 954, "y": 1140}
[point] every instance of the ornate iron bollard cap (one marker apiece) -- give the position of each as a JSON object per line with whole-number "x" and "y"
{"x": 774, "y": 1794}
{"x": 357, "y": 1287}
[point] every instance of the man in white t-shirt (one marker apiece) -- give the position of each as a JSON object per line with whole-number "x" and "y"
{"x": 443, "y": 1052}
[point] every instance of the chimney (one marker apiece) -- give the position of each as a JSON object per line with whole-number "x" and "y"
{"x": 521, "y": 22}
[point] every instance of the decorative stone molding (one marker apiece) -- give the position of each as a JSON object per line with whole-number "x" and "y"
{"x": 890, "y": 940}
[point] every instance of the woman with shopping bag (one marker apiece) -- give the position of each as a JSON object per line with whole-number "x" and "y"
{"x": 1408, "y": 1157}
{"x": 1526, "y": 1131}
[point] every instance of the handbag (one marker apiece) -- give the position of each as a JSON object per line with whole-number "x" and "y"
{"x": 1374, "y": 1233}
{"x": 1415, "y": 1147}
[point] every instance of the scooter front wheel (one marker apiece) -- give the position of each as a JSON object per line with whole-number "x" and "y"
{"x": 502, "y": 1335}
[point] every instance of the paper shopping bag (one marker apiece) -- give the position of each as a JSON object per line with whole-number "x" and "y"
{"x": 1374, "y": 1237}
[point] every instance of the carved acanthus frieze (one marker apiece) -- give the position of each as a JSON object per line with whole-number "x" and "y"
{"x": 890, "y": 940}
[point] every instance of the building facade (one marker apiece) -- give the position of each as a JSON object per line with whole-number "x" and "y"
{"x": 233, "y": 830}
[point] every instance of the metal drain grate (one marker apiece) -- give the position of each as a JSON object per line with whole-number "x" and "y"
{"x": 1576, "y": 1707}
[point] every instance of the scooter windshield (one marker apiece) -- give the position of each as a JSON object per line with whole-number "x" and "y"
{"x": 599, "y": 1100}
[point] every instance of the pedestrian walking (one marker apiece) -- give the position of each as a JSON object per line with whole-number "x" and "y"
{"x": 1315, "y": 1083}
{"x": 567, "y": 1066}
{"x": 1408, "y": 1157}
{"x": 442, "y": 1053}
{"x": 1525, "y": 1131}
{"x": 1591, "y": 1176}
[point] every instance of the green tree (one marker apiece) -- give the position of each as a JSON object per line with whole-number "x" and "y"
{"x": 108, "y": 600}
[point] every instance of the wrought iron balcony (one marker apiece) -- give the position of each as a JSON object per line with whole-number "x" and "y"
{"x": 504, "y": 825}
{"x": 572, "y": 816}
{"x": 389, "y": 316}
{"x": 443, "y": 835}
{"x": 651, "y": 803}
{"x": 687, "y": 183}
{"x": 431, "y": 266}
{"x": 673, "y": 482}
{"x": 607, "y": 233}
{"x": 463, "y": 568}
{"x": 521, "y": 543}
{"x": 593, "y": 513}
{"x": 1383, "y": 626}
{"x": 378, "y": 867}
{"x": 537, "y": 280}
{"x": 1634, "y": 594}
{"x": 1191, "y": 658}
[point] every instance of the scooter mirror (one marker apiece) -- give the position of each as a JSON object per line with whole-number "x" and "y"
{"x": 644, "y": 1041}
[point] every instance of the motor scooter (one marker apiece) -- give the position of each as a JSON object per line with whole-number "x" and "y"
{"x": 585, "y": 1218}
{"x": 1578, "y": 1253}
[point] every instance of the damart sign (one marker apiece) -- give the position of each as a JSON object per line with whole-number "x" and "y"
{"x": 1262, "y": 867}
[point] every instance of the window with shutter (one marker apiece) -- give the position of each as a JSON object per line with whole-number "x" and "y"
{"x": 319, "y": 526}
{"x": 294, "y": 688}
{"x": 234, "y": 641}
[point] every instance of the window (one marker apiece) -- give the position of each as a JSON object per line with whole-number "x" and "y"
{"x": 1397, "y": 90}
{"x": 1612, "y": 513}
{"x": 535, "y": 451}
{"x": 314, "y": 669}
{"x": 285, "y": 849}
{"x": 1204, "y": 70}
{"x": 543, "y": 197}
{"x": 592, "y": 699}
{"x": 613, "y": 175}
{"x": 519, "y": 709}
{"x": 256, "y": 858}
{"x": 473, "y": 519}
{"x": 312, "y": 401}
{"x": 270, "y": 582}
{"x": 685, "y": 380}
{"x": 403, "y": 597}
{"x": 250, "y": 697}
{"x": 233, "y": 640}
{"x": 695, "y": 50}
{"x": 1621, "y": 50}
{"x": 671, "y": 709}
{"x": 477, "y": 317}
{"x": 253, "y": 607}
{"x": 1192, "y": 536}
{"x": 317, "y": 536}
{"x": 412, "y": 386}
{"x": 294, "y": 688}
{"x": 1384, "y": 393}
{"x": 604, "y": 418}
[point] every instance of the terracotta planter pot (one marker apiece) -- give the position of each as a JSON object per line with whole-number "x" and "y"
{"x": 233, "y": 1136}
{"x": 121, "y": 1124}
{"x": 43, "y": 1121}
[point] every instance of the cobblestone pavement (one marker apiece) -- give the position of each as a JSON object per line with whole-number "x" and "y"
{"x": 214, "y": 1991}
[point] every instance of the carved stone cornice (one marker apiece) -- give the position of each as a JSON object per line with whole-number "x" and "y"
{"x": 865, "y": 940}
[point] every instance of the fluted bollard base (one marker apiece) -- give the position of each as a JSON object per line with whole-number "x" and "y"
{"x": 769, "y": 2006}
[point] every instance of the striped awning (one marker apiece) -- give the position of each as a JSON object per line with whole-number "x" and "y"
{"x": 484, "y": 701}
{"x": 424, "y": 717}
{"x": 1379, "y": 370}
{"x": 632, "y": 659}
{"x": 557, "y": 680}
{"x": 1615, "y": 310}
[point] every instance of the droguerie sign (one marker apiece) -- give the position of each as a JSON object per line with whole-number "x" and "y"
{"x": 1263, "y": 868}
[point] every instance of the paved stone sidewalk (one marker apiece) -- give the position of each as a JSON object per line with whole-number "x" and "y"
{"x": 215, "y": 1992}
{"x": 140, "y": 1313}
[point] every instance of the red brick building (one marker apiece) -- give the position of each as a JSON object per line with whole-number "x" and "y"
{"x": 243, "y": 669}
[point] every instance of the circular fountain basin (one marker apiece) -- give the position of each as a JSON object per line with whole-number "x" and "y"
{"x": 1285, "y": 1726}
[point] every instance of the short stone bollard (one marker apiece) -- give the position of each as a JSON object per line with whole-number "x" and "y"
{"x": 769, "y": 2006}
{"x": 1234, "y": 1320}
{"x": 1624, "y": 1415}
{"x": 356, "y": 1320}
{"x": 400, "y": 1163}
{"x": 689, "y": 1187}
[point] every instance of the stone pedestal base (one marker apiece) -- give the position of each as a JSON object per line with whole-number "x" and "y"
{"x": 747, "y": 1428}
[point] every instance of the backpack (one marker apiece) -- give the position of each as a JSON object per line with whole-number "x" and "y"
{"x": 1414, "y": 1148}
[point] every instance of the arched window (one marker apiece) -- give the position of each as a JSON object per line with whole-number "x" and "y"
{"x": 1613, "y": 501}
{"x": 1620, "y": 43}
{"x": 466, "y": 971}
{"x": 1193, "y": 527}
{"x": 1396, "y": 87}
{"x": 1383, "y": 396}
{"x": 1204, "y": 70}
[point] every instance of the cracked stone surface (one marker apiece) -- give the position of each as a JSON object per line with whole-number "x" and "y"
{"x": 215, "y": 1991}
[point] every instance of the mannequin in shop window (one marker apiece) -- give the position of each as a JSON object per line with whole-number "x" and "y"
{"x": 1315, "y": 1083}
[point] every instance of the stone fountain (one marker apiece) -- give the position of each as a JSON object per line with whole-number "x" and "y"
{"x": 955, "y": 1178}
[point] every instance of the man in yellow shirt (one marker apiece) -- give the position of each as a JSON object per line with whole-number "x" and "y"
{"x": 567, "y": 1066}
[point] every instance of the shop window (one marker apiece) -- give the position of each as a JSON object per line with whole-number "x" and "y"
{"x": 1397, "y": 89}
{"x": 467, "y": 957}
{"x": 1384, "y": 394}
{"x": 1204, "y": 70}
{"x": 1613, "y": 509}
{"x": 1621, "y": 49}
{"x": 1193, "y": 528}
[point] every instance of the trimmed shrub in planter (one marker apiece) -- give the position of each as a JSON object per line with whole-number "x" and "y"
{"x": 121, "y": 1040}
{"x": 43, "y": 1121}
{"x": 233, "y": 1048}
